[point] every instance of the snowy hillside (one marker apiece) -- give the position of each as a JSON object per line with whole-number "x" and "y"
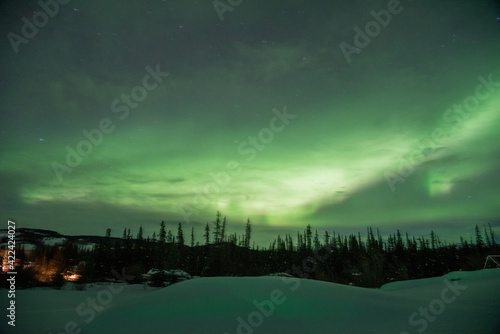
{"x": 30, "y": 238}
{"x": 459, "y": 302}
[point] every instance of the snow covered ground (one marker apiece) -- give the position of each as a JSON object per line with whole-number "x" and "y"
{"x": 49, "y": 241}
{"x": 459, "y": 302}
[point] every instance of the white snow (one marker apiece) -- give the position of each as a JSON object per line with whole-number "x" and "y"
{"x": 459, "y": 302}
{"x": 50, "y": 241}
{"x": 174, "y": 272}
{"x": 86, "y": 246}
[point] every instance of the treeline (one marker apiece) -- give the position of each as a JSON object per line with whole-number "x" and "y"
{"x": 368, "y": 261}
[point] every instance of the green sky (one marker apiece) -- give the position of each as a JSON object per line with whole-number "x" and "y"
{"x": 261, "y": 115}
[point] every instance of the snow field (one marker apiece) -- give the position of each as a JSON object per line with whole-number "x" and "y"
{"x": 459, "y": 302}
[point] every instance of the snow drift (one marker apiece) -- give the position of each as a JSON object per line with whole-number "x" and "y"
{"x": 459, "y": 302}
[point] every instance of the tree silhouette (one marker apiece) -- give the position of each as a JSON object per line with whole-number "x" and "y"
{"x": 207, "y": 234}
{"x": 248, "y": 234}
{"x": 180, "y": 236}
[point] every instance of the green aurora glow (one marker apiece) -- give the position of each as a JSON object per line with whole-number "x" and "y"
{"x": 354, "y": 123}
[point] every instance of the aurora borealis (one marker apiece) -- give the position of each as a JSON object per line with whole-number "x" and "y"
{"x": 169, "y": 113}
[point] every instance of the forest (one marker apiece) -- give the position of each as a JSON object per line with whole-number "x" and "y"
{"x": 368, "y": 260}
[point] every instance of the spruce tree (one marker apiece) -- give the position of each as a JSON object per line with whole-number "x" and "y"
{"x": 317, "y": 244}
{"x": 308, "y": 237}
{"x": 223, "y": 230}
{"x": 433, "y": 240}
{"x": 487, "y": 237}
{"x": 248, "y": 232}
{"x": 192, "y": 236}
{"x": 479, "y": 238}
{"x": 217, "y": 231}
{"x": 163, "y": 234}
{"x": 180, "y": 235}
{"x": 139, "y": 234}
{"x": 327, "y": 238}
{"x": 207, "y": 234}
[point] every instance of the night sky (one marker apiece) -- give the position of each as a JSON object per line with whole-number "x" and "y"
{"x": 338, "y": 114}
